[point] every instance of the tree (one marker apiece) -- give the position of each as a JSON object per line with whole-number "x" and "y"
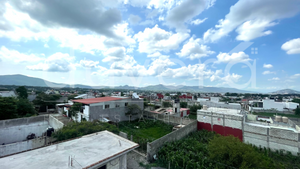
{"x": 194, "y": 108}
{"x": 74, "y": 109}
{"x": 22, "y": 92}
{"x": 296, "y": 101}
{"x": 167, "y": 104}
{"x": 132, "y": 109}
{"x": 183, "y": 104}
{"x": 8, "y": 108}
{"x": 297, "y": 111}
{"x": 25, "y": 108}
{"x": 167, "y": 94}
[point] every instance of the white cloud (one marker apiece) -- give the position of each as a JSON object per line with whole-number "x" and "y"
{"x": 234, "y": 57}
{"x": 198, "y": 21}
{"x": 89, "y": 63}
{"x": 197, "y": 71}
{"x": 295, "y": 76}
{"x": 252, "y": 18}
{"x": 157, "y": 39}
{"x": 24, "y": 29}
{"x": 17, "y": 57}
{"x": 58, "y": 62}
{"x": 194, "y": 50}
{"x": 292, "y": 46}
{"x": 158, "y": 55}
{"x": 268, "y": 66}
{"x": 147, "y": 22}
{"x": 46, "y": 45}
{"x": 134, "y": 19}
{"x": 274, "y": 79}
{"x": 268, "y": 72}
{"x": 231, "y": 78}
{"x": 114, "y": 54}
{"x": 184, "y": 12}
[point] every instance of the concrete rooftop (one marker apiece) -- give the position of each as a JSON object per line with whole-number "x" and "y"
{"x": 222, "y": 111}
{"x": 88, "y": 150}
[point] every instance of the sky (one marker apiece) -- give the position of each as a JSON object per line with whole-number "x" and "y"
{"x": 252, "y": 45}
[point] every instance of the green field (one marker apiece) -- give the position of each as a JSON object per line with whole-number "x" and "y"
{"x": 144, "y": 132}
{"x": 273, "y": 114}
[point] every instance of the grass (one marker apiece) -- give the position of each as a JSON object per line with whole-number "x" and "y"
{"x": 144, "y": 132}
{"x": 272, "y": 114}
{"x": 193, "y": 116}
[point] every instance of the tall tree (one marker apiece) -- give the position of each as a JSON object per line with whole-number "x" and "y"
{"x": 22, "y": 92}
{"x": 132, "y": 109}
{"x": 8, "y": 108}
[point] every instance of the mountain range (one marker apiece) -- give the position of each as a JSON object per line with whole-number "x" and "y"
{"x": 21, "y": 80}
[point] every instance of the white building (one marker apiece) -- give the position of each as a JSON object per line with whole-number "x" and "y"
{"x": 267, "y": 104}
{"x": 102, "y": 150}
{"x": 214, "y": 99}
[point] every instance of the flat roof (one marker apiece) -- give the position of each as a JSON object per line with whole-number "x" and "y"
{"x": 98, "y": 100}
{"x": 86, "y": 151}
{"x": 222, "y": 111}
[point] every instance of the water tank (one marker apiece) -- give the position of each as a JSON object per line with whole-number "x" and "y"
{"x": 285, "y": 119}
{"x": 204, "y": 107}
{"x": 278, "y": 118}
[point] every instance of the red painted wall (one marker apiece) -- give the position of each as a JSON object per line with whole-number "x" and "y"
{"x": 225, "y": 131}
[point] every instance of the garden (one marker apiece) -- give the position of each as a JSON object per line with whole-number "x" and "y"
{"x": 145, "y": 131}
{"x": 204, "y": 149}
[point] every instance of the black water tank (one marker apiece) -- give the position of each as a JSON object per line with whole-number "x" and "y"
{"x": 50, "y": 130}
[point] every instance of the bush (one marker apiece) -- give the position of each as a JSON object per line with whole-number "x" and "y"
{"x": 76, "y": 129}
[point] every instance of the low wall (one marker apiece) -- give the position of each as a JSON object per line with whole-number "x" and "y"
{"x": 167, "y": 118}
{"x": 55, "y": 123}
{"x": 15, "y": 130}
{"x": 272, "y": 137}
{"x": 13, "y": 148}
{"x": 153, "y": 147}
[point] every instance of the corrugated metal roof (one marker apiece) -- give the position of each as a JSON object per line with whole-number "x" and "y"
{"x": 97, "y": 100}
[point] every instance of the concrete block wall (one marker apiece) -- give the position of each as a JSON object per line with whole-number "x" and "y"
{"x": 153, "y": 147}
{"x": 55, "y": 123}
{"x": 15, "y": 130}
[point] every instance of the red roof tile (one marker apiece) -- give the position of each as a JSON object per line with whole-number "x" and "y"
{"x": 97, "y": 100}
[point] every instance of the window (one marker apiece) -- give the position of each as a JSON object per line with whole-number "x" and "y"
{"x": 107, "y": 106}
{"x": 117, "y": 105}
{"x": 103, "y": 167}
{"x": 126, "y": 104}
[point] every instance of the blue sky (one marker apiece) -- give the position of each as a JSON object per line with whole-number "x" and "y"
{"x": 248, "y": 44}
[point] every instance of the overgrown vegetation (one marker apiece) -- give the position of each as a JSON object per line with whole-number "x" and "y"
{"x": 280, "y": 114}
{"x": 204, "y": 149}
{"x": 15, "y": 108}
{"x": 132, "y": 109}
{"x": 183, "y": 104}
{"x": 167, "y": 104}
{"x": 76, "y": 129}
{"x": 143, "y": 132}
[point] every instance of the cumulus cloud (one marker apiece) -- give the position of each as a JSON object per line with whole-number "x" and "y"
{"x": 194, "y": 50}
{"x": 267, "y": 72}
{"x": 17, "y": 57}
{"x": 114, "y": 54}
{"x": 158, "y": 55}
{"x": 88, "y": 63}
{"x": 292, "y": 46}
{"x": 274, "y": 79}
{"x": 92, "y": 15}
{"x": 134, "y": 19}
{"x": 268, "y": 66}
{"x": 58, "y": 62}
{"x": 251, "y": 18}
{"x": 25, "y": 28}
{"x": 198, "y": 21}
{"x": 295, "y": 76}
{"x": 234, "y": 57}
{"x": 184, "y": 12}
{"x": 157, "y": 39}
{"x": 231, "y": 78}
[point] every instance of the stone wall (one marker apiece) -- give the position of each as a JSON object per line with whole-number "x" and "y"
{"x": 167, "y": 118}
{"x": 153, "y": 147}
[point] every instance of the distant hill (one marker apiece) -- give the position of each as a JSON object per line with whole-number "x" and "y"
{"x": 286, "y": 91}
{"x": 21, "y": 80}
